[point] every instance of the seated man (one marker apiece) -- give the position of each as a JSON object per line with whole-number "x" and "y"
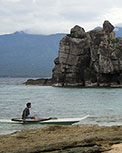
{"x": 26, "y": 112}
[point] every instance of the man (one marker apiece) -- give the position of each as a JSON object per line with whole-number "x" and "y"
{"x": 26, "y": 112}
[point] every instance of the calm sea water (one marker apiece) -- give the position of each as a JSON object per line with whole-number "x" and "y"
{"x": 104, "y": 105}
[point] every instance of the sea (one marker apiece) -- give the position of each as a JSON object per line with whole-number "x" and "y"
{"x": 104, "y": 105}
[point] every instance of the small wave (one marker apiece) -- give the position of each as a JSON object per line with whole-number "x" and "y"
{"x": 105, "y": 120}
{"x": 5, "y": 121}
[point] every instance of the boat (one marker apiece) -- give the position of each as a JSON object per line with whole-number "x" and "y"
{"x": 37, "y": 120}
{"x": 63, "y": 121}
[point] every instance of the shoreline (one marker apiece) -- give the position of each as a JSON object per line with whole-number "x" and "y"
{"x": 51, "y": 82}
{"x": 63, "y": 139}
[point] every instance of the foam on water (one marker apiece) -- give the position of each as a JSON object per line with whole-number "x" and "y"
{"x": 5, "y": 121}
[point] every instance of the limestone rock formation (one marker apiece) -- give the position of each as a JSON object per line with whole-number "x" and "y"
{"x": 74, "y": 57}
{"x": 41, "y": 82}
{"x": 89, "y": 58}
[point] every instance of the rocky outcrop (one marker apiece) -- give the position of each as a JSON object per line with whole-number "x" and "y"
{"x": 74, "y": 58}
{"x": 41, "y": 82}
{"x": 89, "y": 58}
{"x": 62, "y": 139}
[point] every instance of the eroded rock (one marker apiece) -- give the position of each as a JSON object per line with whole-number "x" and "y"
{"x": 41, "y": 82}
{"x": 108, "y": 27}
{"x": 87, "y": 58}
{"x": 63, "y": 139}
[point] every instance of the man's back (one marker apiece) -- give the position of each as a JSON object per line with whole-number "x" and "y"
{"x": 25, "y": 114}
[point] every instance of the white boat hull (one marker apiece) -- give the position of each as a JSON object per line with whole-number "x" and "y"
{"x": 63, "y": 121}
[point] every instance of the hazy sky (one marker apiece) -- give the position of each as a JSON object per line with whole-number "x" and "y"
{"x": 55, "y": 16}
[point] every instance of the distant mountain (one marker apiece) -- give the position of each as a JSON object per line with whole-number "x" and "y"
{"x": 118, "y": 31}
{"x": 29, "y": 55}
{"x": 97, "y": 28}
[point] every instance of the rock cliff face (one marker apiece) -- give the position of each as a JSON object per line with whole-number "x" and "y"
{"x": 89, "y": 58}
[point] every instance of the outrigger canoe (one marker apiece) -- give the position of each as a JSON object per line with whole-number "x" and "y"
{"x": 64, "y": 121}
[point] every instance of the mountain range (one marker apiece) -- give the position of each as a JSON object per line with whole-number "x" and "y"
{"x": 30, "y": 55}
{"x": 23, "y": 54}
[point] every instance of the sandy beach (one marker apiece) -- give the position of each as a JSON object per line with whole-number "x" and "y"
{"x": 117, "y": 148}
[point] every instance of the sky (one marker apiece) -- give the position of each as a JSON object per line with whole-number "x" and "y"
{"x": 57, "y": 16}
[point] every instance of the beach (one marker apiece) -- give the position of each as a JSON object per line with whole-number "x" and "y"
{"x": 64, "y": 139}
{"x": 117, "y": 148}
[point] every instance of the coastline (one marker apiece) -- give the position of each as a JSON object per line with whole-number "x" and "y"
{"x": 63, "y": 139}
{"x": 50, "y": 82}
